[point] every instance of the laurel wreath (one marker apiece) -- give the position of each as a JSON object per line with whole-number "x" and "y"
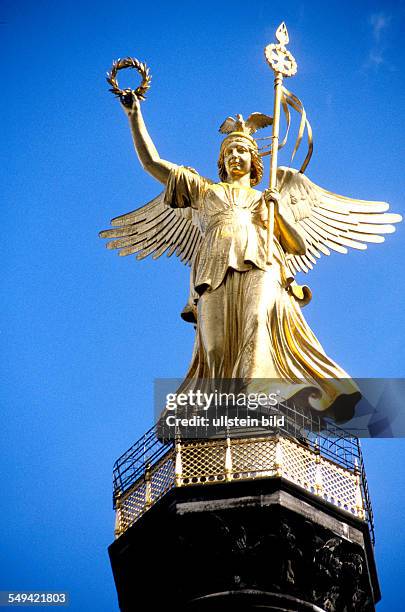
{"x": 127, "y": 94}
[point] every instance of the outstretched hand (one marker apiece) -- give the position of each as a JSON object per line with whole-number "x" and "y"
{"x": 130, "y": 103}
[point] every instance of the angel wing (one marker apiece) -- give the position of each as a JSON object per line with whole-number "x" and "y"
{"x": 330, "y": 221}
{"x": 154, "y": 229}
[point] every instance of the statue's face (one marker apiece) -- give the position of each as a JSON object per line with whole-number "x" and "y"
{"x": 237, "y": 159}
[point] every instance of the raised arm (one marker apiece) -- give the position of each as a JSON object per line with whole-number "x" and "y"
{"x": 144, "y": 147}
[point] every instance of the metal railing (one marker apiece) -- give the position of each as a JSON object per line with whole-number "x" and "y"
{"x": 326, "y": 462}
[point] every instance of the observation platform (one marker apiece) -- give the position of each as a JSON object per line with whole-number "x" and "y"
{"x": 277, "y": 521}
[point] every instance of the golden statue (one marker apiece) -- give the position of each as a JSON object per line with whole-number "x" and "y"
{"x": 245, "y": 247}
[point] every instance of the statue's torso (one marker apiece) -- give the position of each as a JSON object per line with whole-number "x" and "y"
{"x": 232, "y": 221}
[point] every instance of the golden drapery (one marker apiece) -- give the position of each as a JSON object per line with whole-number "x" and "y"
{"x": 250, "y": 327}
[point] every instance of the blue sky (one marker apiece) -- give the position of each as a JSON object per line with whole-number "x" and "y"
{"x": 84, "y": 333}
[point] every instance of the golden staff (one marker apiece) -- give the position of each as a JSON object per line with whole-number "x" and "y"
{"x": 283, "y": 64}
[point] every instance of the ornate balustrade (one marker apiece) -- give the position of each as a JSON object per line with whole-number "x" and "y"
{"x": 327, "y": 468}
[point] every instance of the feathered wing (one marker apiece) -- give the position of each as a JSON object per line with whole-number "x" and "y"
{"x": 228, "y": 126}
{"x": 257, "y": 121}
{"x": 154, "y": 229}
{"x": 329, "y": 221}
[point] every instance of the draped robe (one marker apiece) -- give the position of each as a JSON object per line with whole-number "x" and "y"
{"x": 250, "y": 326}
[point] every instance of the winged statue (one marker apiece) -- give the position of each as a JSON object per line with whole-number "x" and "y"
{"x": 247, "y": 311}
{"x": 327, "y": 220}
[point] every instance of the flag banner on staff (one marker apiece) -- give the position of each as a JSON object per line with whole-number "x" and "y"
{"x": 288, "y": 99}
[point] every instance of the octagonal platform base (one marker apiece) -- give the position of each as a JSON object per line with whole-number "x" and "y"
{"x": 250, "y": 545}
